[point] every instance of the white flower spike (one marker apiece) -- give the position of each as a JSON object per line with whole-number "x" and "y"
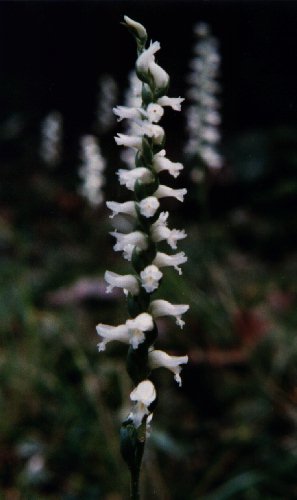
{"x": 145, "y": 156}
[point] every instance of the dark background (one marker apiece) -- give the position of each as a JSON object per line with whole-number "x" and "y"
{"x": 51, "y": 54}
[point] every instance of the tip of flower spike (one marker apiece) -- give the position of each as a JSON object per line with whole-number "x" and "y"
{"x": 137, "y": 29}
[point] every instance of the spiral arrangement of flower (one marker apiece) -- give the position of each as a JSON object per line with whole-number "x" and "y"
{"x": 140, "y": 247}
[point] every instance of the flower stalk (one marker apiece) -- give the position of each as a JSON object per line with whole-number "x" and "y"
{"x": 140, "y": 247}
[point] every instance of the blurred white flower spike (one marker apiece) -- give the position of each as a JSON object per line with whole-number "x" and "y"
{"x": 203, "y": 116}
{"x": 144, "y": 139}
{"x": 92, "y": 171}
{"x": 107, "y": 97}
{"x": 51, "y": 138}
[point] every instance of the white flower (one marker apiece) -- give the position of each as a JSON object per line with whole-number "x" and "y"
{"x": 129, "y": 177}
{"x": 128, "y": 282}
{"x": 131, "y": 332}
{"x": 150, "y": 277}
{"x": 165, "y": 308}
{"x": 143, "y": 395}
{"x": 173, "y": 102}
{"x": 164, "y": 191}
{"x": 127, "y": 242}
{"x": 142, "y": 323}
{"x": 110, "y": 333}
{"x": 148, "y": 206}
{"x": 160, "y": 231}
{"x": 137, "y": 27}
{"x": 126, "y": 112}
{"x": 128, "y": 207}
{"x": 154, "y": 112}
{"x": 162, "y": 359}
{"x": 165, "y": 260}
{"x": 130, "y": 141}
{"x": 147, "y": 57}
{"x": 161, "y": 78}
{"x": 151, "y": 130}
{"x": 160, "y": 162}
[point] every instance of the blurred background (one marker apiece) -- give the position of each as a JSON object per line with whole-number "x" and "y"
{"x": 230, "y": 432}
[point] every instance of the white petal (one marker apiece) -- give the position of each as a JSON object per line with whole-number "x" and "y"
{"x": 127, "y": 281}
{"x": 165, "y": 260}
{"x": 151, "y": 130}
{"x": 162, "y": 232}
{"x": 140, "y": 30}
{"x": 164, "y": 308}
{"x": 164, "y": 191}
{"x": 148, "y": 206}
{"x": 150, "y": 278}
{"x": 130, "y": 141}
{"x": 162, "y": 359}
{"x": 109, "y": 333}
{"x": 161, "y": 78}
{"x": 146, "y": 57}
{"x": 127, "y": 112}
{"x": 154, "y": 112}
{"x": 137, "y": 326}
{"x": 145, "y": 393}
{"x": 143, "y": 322}
{"x": 173, "y": 102}
{"x": 129, "y": 177}
{"x": 136, "y": 238}
{"x": 161, "y": 163}
{"x": 128, "y": 207}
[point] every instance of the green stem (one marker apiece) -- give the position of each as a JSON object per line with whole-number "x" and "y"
{"x": 134, "y": 485}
